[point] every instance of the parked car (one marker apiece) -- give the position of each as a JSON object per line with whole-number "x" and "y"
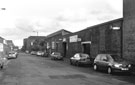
{"x": 2, "y": 60}
{"x": 12, "y": 54}
{"x": 33, "y": 53}
{"x": 56, "y": 56}
{"x": 111, "y": 63}
{"x": 45, "y": 54}
{"x": 40, "y": 53}
{"x": 80, "y": 59}
{"x": 27, "y": 51}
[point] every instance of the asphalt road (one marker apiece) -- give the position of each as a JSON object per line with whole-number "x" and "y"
{"x": 34, "y": 70}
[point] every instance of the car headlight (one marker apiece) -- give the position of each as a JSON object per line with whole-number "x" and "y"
{"x": 4, "y": 58}
{"x": 129, "y": 65}
{"x": 117, "y": 65}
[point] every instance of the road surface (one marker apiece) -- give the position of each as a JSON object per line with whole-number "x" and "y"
{"x": 34, "y": 70}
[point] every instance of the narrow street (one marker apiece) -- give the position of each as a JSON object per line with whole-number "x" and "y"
{"x": 34, "y": 70}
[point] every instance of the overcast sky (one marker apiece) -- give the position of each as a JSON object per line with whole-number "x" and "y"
{"x": 22, "y": 17}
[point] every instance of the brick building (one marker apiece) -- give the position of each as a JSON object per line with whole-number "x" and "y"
{"x": 52, "y": 40}
{"x": 29, "y": 42}
{"x": 10, "y": 44}
{"x": 102, "y": 38}
{"x": 116, "y": 36}
{"x": 4, "y": 47}
{"x": 128, "y": 32}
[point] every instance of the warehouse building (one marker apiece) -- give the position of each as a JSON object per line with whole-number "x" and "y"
{"x": 102, "y": 38}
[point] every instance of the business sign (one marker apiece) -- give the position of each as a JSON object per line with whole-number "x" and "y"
{"x": 64, "y": 39}
{"x": 1, "y": 47}
{"x": 31, "y": 43}
{"x": 48, "y": 46}
{"x": 53, "y": 45}
{"x": 5, "y": 42}
{"x": 73, "y": 38}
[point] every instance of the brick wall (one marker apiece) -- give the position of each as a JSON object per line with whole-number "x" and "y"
{"x": 129, "y": 30}
{"x": 102, "y": 37}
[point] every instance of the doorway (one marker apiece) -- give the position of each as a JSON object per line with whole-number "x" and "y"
{"x": 64, "y": 49}
{"x": 86, "y": 47}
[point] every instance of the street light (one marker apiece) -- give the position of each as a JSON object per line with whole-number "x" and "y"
{"x": 3, "y": 8}
{"x": 36, "y": 32}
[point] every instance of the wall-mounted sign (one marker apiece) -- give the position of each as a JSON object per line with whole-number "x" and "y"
{"x": 53, "y": 45}
{"x": 5, "y": 42}
{"x": 73, "y": 38}
{"x": 31, "y": 43}
{"x": 64, "y": 39}
{"x": 79, "y": 39}
{"x": 48, "y": 46}
{"x": 1, "y": 47}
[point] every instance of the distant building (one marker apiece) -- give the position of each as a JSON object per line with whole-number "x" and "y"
{"x": 28, "y": 42}
{"x": 24, "y": 47}
{"x": 52, "y": 40}
{"x": 4, "y": 47}
{"x": 10, "y": 44}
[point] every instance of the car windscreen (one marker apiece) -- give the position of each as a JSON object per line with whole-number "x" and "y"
{"x": 56, "y": 53}
{"x": 116, "y": 58}
{"x": 11, "y": 52}
{"x": 84, "y": 55}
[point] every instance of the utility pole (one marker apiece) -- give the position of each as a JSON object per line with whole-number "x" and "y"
{"x": 36, "y": 32}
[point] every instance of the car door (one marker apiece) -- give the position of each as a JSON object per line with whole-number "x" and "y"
{"x": 73, "y": 58}
{"x": 104, "y": 62}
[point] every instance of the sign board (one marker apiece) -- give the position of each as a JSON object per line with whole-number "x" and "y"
{"x": 31, "y": 43}
{"x": 53, "y": 45}
{"x": 5, "y": 42}
{"x": 73, "y": 38}
{"x": 115, "y": 28}
{"x": 48, "y": 46}
{"x": 79, "y": 39}
{"x": 64, "y": 39}
{"x": 1, "y": 47}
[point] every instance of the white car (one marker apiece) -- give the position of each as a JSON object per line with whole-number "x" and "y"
{"x": 3, "y": 61}
{"x": 40, "y": 53}
{"x": 80, "y": 59}
{"x": 12, "y": 54}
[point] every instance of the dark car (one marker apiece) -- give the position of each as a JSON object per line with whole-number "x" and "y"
{"x": 111, "y": 63}
{"x": 45, "y": 54}
{"x": 56, "y": 56}
{"x": 33, "y": 53}
{"x": 80, "y": 59}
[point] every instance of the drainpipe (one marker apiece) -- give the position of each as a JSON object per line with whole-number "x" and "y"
{"x": 121, "y": 42}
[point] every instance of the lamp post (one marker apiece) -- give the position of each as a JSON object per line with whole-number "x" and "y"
{"x": 36, "y": 32}
{"x": 3, "y": 8}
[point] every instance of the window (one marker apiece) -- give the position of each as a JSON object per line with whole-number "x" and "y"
{"x": 77, "y": 56}
{"x": 84, "y": 55}
{"x": 103, "y": 57}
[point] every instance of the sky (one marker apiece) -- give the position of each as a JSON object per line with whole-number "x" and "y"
{"x": 22, "y": 17}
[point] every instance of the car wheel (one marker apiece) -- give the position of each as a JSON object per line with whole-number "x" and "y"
{"x": 109, "y": 70}
{"x": 71, "y": 62}
{"x": 51, "y": 58}
{"x": 1, "y": 66}
{"x": 77, "y": 63}
{"x": 95, "y": 67}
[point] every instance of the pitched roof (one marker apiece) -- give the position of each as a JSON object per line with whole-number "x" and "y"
{"x": 62, "y": 32}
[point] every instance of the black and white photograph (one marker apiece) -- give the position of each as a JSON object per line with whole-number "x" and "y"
{"x": 67, "y": 42}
